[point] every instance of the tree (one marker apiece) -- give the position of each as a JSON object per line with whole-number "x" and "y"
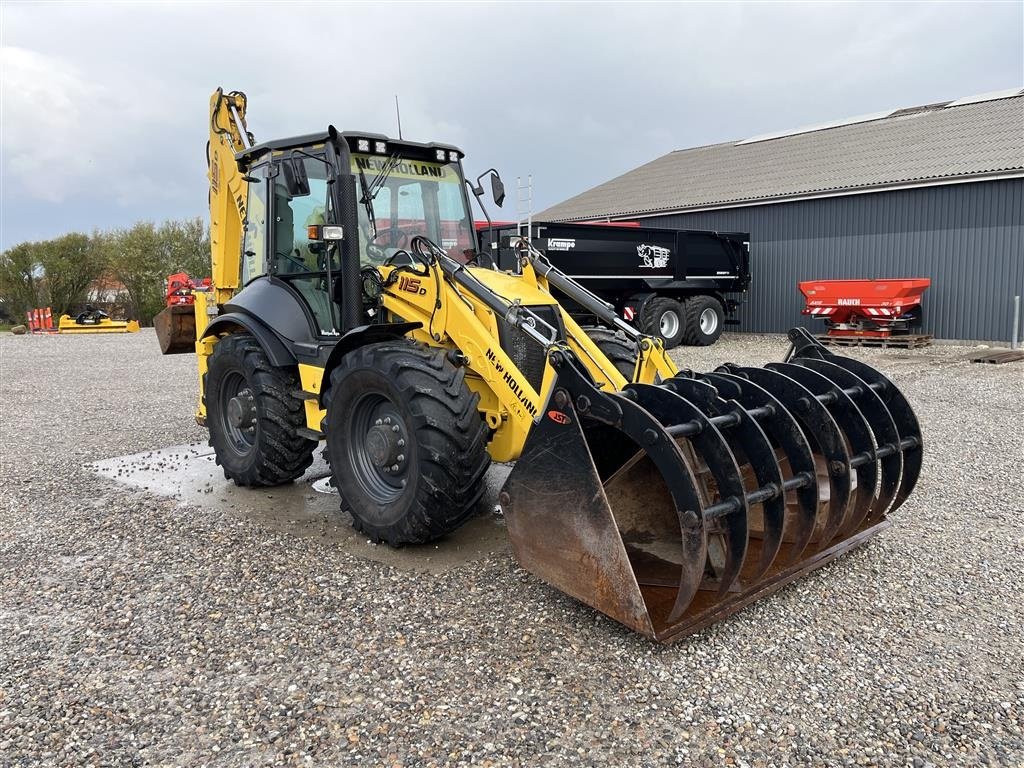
{"x": 71, "y": 264}
{"x": 59, "y": 272}
{"x": 139, "y": 260}
{"x": 186, "y": 247}
{"x": 21, "y": 286}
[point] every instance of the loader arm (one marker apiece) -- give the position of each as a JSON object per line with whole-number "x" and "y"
{"x": 653, "y": 362}
{"x": 228, "y": 190}
{"x": 462, "y": 307}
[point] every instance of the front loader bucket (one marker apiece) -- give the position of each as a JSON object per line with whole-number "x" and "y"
{"x": 671, "y": 506}
{"x": 176, "y": 329}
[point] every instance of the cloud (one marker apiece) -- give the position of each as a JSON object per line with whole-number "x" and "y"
{"x": 66, "y": 136}
{"x": 104, "y": 115}
{"x": 43, "y": 100}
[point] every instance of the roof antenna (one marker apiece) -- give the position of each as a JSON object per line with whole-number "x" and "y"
{"x": 398, "y": 114}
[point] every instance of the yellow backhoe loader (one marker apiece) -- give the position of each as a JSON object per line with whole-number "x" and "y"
{"x": 349, "y": 305}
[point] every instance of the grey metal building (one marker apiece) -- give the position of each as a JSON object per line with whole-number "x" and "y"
{"x": 933, "y": 191}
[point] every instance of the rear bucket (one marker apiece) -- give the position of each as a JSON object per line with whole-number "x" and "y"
{"x": 176, "y": 329}
{"x": 668, "y": 507}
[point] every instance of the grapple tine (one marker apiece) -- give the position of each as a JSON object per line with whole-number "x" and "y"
{"x": 821, "y": 432}
{"x": 903, "y": 416}
{"x": 882, "y": 425}
{"x": 671, "y": 409}
{"x": 858, "y": 436}
{"x": 751, "y": 448}
{"x": 645, "y": 503}
{"x": 785, "y": 433}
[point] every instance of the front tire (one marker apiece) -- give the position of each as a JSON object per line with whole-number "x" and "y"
{"x": 617, "y": 347}
{"x": 663, "y": 317}
{"x": 407, "y": 443}
{"x": 252, "y": 417}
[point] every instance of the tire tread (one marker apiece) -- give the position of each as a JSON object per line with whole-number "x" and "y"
{"x": 447, "y": 424}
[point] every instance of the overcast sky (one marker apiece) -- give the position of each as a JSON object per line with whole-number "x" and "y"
{"x": 104, "y": 107}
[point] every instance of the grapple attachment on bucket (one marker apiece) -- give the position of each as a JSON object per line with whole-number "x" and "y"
{"x": 671, "y": 506}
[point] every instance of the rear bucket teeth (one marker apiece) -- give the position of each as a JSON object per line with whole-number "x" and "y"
{"x": 671, "y": 506}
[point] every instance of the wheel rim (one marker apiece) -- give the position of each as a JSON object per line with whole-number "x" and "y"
{"x": 237, "y": 413}
{"x": 708, "y": 321}
{"x": 669, "y": 324}
{"x": 378, "y": 447}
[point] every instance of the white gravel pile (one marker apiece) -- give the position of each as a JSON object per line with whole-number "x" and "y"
{"x": 134, "y": 631}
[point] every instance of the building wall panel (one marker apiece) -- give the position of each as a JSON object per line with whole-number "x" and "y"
{"x": 968, "y": 238}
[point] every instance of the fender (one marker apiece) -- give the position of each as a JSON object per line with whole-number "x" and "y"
{"x": 638, "y": 301}
{"x": 360, "y": 337}
{"x": 277, "y": 352}
{"x": 278, "y": 306}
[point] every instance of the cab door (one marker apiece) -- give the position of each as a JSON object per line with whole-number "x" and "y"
{"x": 297, "y": 260}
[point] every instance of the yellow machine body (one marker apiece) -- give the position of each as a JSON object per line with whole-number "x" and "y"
{"x": 666, "y": 499}
{"x": 68, "y": 324}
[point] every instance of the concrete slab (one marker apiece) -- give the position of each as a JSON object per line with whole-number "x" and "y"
{"x": 308, "y": 507}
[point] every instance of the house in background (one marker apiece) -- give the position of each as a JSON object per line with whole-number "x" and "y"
{"x": 106, "y": 289}
{"x": 931, "y": 191}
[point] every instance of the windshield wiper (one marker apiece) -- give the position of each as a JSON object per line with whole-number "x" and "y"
{"x": 370, "y": 190}
{"x": 367, "y": 202}
{"x": 382, "y": 176}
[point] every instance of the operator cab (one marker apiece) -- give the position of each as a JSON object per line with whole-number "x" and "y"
{"x": 318, "y": 200}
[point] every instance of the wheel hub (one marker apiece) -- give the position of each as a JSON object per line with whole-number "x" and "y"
{"x": 669, "y": 324}
{"x": 708, "y": 321}
{"x": 241, "y": 410}
{"x": 384, "y": 445}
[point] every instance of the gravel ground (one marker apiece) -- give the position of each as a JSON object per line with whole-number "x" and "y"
{"x": 134, "y": 631}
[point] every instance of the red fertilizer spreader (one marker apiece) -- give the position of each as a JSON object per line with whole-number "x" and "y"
{"x": 865, "y": 308}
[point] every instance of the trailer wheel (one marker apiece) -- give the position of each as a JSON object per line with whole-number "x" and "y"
{"x": 406, "y": 441}
{"x": 617, "y": 347}
{"x": 664, "y": 317}
{"x": 252, "y": 417}
{"x": 704, "y": 320}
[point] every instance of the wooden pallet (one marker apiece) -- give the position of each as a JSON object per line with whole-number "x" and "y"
{"x": 997, "y": 356}
{"x": 903, "y": 341}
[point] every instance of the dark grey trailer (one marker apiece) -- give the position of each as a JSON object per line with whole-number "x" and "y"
{"x": 682, "y": 285}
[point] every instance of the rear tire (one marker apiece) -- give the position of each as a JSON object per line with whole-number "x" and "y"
{"x": 617, "y": 347}
{"x": 407, "y": 443}
{"x": 704, "y": 320}
{"x": 664, "y": 318}
{"x": 252, "y": 417}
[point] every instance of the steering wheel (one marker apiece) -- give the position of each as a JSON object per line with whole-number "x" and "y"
{"x": 396, "y": 235}
{"x": 378, "y": 251}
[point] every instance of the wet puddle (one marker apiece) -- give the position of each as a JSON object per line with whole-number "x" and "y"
{"x": 308, "y": 507}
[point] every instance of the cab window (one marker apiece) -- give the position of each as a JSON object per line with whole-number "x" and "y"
{"x": 293, "y": 251}
{"x": 296, "y": 258}
{"x": 254, "y": 240}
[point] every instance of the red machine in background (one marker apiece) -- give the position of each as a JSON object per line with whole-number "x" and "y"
{"x": 180, "y": 289}
{"x": 176, "y": 323}
{"x": 866, "y": 309}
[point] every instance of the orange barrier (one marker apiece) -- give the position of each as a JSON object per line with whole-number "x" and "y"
{"x": 40, "y": 320}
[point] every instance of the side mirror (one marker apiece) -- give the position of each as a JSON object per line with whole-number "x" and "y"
{"x": 497, "y": 189}
{"x": 296, "y": 180}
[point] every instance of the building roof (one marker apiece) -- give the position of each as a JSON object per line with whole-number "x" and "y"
{"x": 975, "y": 138}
